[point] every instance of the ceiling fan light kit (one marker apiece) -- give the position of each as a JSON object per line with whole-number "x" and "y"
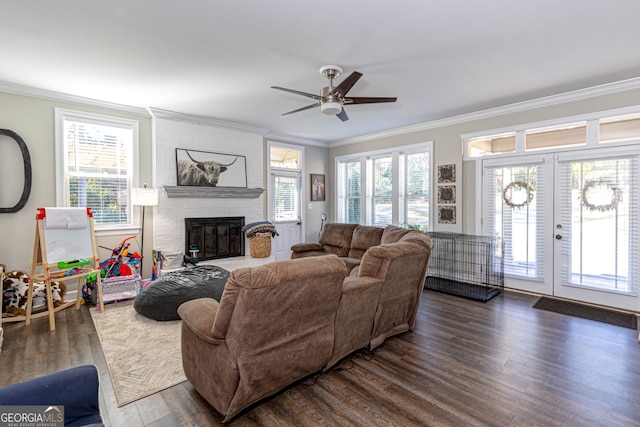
{"x": 332, "y": 98}
{"x": 332, "y": 108}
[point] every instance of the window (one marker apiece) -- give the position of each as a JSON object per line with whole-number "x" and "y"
{"x": 285, "y": 169}
{"x": 619, "y": 129}
{"x": 564, "y": 136}
{"x": 95, "y": 158}
{"x": 382, "y": 188}
{"x": 515, "y": 216}
{"x": 414, "y": 198}
{"x": 286, "y": 199}
{"x": 349, "y": 180}
{"x": 487, "y": 145}
{"x": 614, "y": 127}
{"x": 382, "y": 200}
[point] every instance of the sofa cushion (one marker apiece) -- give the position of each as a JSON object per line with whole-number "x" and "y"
{"x": 392, "y": 234}
{"x": 296, "y": 255}
{"x": 303, "y": 247}
{"x": 336, "y": 238}
{"x": 364, "y": 237}
{"x": 350, "y": 262}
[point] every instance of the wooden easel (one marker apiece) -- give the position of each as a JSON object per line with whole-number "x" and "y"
{"x": 63, "y": 246}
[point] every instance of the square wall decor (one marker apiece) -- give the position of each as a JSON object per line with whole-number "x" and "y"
{"x": 446, "y": 173}
{"x": 446, "y": 214}
{"x": 446, "y": 194}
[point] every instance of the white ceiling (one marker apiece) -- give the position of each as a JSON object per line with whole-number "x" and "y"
{"x": 441, "y": 58}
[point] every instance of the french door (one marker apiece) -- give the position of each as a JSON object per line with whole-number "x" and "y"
{"x": 596, "y": 227}
{"x": 569, "y": 223}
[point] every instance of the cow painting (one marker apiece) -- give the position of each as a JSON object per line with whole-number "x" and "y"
{"x": 196, "y": 170}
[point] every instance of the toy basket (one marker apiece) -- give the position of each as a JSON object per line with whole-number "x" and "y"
{"x": 118, "y": 288}
{"x": 260, "y": 246}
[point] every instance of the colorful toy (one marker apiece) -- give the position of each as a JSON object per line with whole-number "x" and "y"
{"x": 122, "y": 262}
{"x": 73, "y": 263}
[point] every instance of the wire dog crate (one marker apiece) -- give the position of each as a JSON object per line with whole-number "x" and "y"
{"x": 465, "y": 265}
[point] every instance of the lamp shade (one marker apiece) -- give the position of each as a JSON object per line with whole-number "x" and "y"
{"x": 144, "y": 196}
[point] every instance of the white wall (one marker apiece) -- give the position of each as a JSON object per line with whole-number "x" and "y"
{"x": 169, "y": 230}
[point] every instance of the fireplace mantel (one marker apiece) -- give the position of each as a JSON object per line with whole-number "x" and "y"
{"x": 212, "y": 192}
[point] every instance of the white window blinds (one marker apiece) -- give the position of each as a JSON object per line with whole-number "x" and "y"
{"x": 600, "y": 223}
{"x": 386, "y": 187}
{"x": 515, "y": 197}
{"x": 97, "y": 166}
{"x": 381, "y": 202}
{"x": 286, "y": 196}
{"x": 414, "y": 194}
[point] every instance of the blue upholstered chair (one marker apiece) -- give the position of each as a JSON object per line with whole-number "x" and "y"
{"x": 76, "y": 389}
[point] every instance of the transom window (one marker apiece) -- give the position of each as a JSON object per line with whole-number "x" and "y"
{"x": 619, "y": 127}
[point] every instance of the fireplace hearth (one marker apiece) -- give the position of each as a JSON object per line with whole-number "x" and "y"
{"x": 219, "y": 237}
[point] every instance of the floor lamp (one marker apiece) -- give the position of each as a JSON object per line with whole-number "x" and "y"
{"x": 144, "y": 197}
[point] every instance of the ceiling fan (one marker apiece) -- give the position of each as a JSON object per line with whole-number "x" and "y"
{"x": 332, "y": 99}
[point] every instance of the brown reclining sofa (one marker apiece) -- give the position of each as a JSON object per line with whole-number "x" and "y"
{"x": 281, "y": 322}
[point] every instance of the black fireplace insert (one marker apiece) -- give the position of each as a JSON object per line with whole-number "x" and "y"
{"x": 214, "y": 238}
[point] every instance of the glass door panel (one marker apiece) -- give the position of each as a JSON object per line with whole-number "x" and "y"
{"x": 597, "y": 229}
{"x": 518, "y": 201}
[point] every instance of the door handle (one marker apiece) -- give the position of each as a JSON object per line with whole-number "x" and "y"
{"x": 558, "y": 237}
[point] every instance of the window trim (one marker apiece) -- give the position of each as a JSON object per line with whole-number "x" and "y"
{"x": 365, "y": 190}
{"x": 61, "y": 115}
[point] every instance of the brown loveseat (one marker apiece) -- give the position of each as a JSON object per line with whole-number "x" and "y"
{"x": 348, "y": 241}
{"x": 283, "y": 321}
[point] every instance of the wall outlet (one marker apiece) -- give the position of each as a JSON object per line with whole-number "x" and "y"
{"x": 310, "y": 205}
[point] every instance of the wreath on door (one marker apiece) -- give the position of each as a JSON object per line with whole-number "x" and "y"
{"x": 600, "y": 196}
{"x": 518, "y": 194}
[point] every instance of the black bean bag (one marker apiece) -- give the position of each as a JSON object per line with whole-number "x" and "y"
{"x": 161, "y": 299}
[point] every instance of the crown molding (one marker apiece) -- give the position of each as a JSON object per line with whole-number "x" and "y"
{"x": 547, "y": 101}
{"x": 204, "y": 120}
{"x": 16, "y": 89}
{"x": 274, "y": 136}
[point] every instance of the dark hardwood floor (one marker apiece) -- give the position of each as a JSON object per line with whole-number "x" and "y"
{"x": 468, "y": 363}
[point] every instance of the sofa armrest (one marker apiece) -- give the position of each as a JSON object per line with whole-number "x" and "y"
{"x": 358, "y": 284}
{"x": 199, "y": 315}
{"x": 306, "y": 247}
{"x": 76, "y": 389}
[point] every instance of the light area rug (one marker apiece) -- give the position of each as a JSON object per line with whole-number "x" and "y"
{"x": 143, "y": 355}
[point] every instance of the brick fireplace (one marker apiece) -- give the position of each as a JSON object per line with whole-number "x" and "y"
{"x": 179, "y": 131}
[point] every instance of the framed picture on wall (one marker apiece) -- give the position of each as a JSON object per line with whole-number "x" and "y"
{"x": 207, "y": 169}
{"x": 446, "y": 194}
{"x": 446, "y": 173}
{"x": 446, "y": 214}
{"x": 317, "y": 187}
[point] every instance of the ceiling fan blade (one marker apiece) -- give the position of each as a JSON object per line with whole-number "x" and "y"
{"x": 317, "y": 104}
{"x": 342, "y": 115}
{"x": 297, "y": 92}
{"x": 367, "y": 100}
{"x": 346, "y": 84}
